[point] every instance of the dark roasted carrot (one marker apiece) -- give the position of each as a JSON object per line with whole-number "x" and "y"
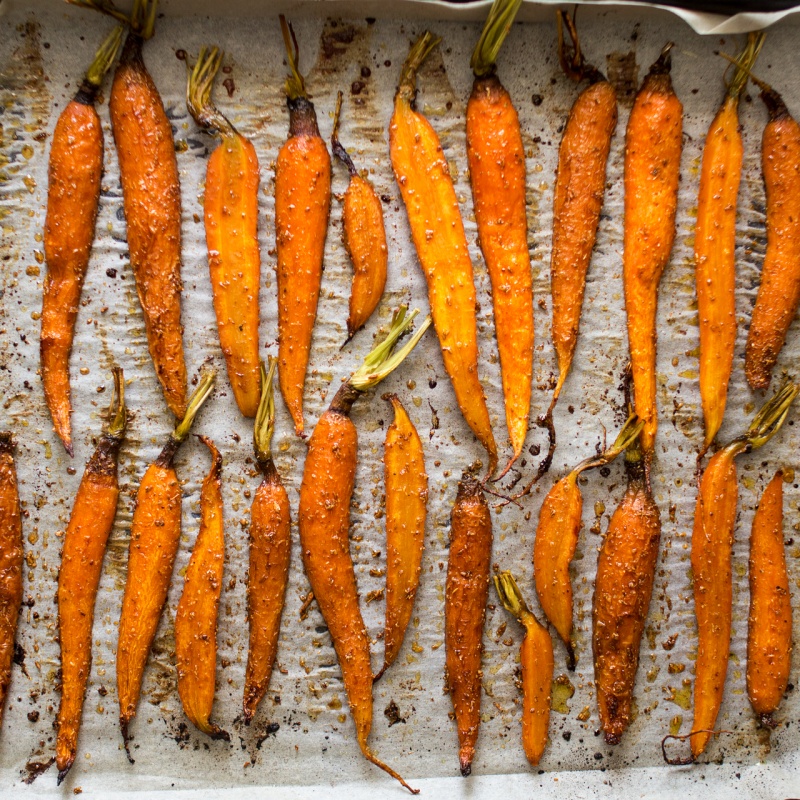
{"x": 155, "y": 536}
{"x": 769, "y": 630}
{"x": 90, "y": 524}
{"x": 626, "y": 569}
{"x": 406, "y": 486}
{"x": 231, "y": 222}
{"x": 557, "y": 538}
{"x": 196, "y": 617}
{"x": 270, "y": 548}
{"x": 73, "y": 196}
{"x": 536, "y": 660}
{"x": 652, "y": 166}
{"x": 712, "y": 539}
{"x": 324, "y": 522}
{"x": 10, "y": 563}
{"x": 715, "y": 243}
{"x": 496, "y": 160}
{"x": 364, "y": 237}
{"x": 437, "y": 229}
{"x": 466, "y": 593}
{"x": 302, "y": 207}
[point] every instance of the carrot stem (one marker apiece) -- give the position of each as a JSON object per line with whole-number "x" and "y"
{"x": 571, "y": 57}
{"x": 104, "y": 57}
{"x": 407, "y": 88}
{"x": 497, "y": 26}
{"x": 295, "y": 86}
{"x": 198, "y": 92}
{"x": 265, "y": 416}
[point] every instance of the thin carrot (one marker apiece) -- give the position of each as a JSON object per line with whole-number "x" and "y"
{"x": 437, "y": 229}
{"x": 406, "y": 486}
{"x": 231, "y": 221}
{"x": 715, "y": 243}
{"x": 73, "y": 196}
{"x": 769, "y": 630}
{"x": 196, "y": 617}
{"x": 536, "y": 660}
{"x": 324, "y": 521}
{"x": 364, "y": 237}
{"x": 90, "y": 524}
{"x": 155, "y": 536}
{"x": 652, "y": 165}
{"x": 557, "y": 537}
{"x": 496, "y": 160}
{"x": 712, "y": 539}
{"x": 302, "y": 207}
{"x": 270, "y": 548}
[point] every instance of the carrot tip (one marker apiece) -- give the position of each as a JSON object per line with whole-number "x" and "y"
{"x": 69, "y": 449}
{"x": 572, "y": 660}
{"x": 377, "y": 676}
{"x": 767, "y": 721}
{"x": 123, "y": 724}
{"x": 613, "y": 738}
{"x": 466, "y": 767}
{"x": 62, "y": 773}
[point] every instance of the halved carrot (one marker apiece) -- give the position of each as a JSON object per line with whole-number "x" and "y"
{"x": 324, "y": 522}
{"x": 406, "y": 486}
{"x": 496, "y": 161}
{"x": 437, "y": 229}
{"x": 73, "y": 196}
{"x": 90, "y": 524}
{"x": 231, "y": 221}
{"x": 364, "y": 237}
{"x": 270, "y": 548}
{"x": 712, "y": 539}
{"x": 302, "y": 207}
{"x": 155, "y": 536}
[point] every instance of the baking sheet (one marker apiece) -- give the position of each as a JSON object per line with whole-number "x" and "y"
{"x": 44, "y": 49}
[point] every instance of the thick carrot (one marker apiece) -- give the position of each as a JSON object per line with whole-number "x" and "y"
{"x": 626, "y": 570}
{"x": 779, "y": 292}
{"x": 196, "y": 617}
{"x": 155, "y": 536}
{"x": 712, "y": 539}
{"x": 715, "y": 243}
{"x": 769, "y": 630}
{"x": 406, "y": 486}
{"x": 10, "y": 563}
{"x": 652, "y": 165}
{"x": 90, "y": 524}
{"x": 536, "y": 660}
{"x": 364, "y": 237}
{"x": 270, "y": 548}
{"x": 231, "y": 222}
{"x": 437, "y": 229}
{"x": 557, "y": 537}
{"x": 73, "y": 196}
{"x": 324, "y": 522}
{"x": 496, "y": 161}
{"x": 302, "y": 207}
{"x": 466, "y": 593}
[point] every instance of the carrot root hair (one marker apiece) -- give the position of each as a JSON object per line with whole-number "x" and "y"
{"x": 683, "y": 761}
{"x": 373, "y": 759}
{"x": 570, "y": 56}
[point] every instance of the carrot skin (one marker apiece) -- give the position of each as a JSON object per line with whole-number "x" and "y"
{"x": 152, "y": 202}
{"x": 769, "y": 638}
{"x": 466, "y": 594}
{"x": 536, "y": 659}
{"x": 496, "y": 160}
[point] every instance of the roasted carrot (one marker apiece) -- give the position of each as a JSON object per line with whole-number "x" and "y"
{"x": 496, "y": 161}
{"x": 324, "y": 521}
{"x": 90, "y": 524}
{"x": 364, "y": 237}
{"x": 712, "y": 539}
{"x": 626, "y": 569}
{"x": 73, "y": 196}
{"x": 10, "y": 563}
{"x": 577, "y": 202}
{"x": 155, "y": 536}
{"x": 557, "y": 537}
{"x": 652, "y": 165}
{"x": 196, "y": 617}
{"x": 406, "y": 486}
{"x": 466, "y": 593}
{"x": 536, "y": 660}
{"x": 270, "y": 548}
{"x": 779, "y": 293}
{"x": 302, "y": 207}
{"x": 231, "y": 222}
{"x": 714, "y": 245}
{"x": 437, "y": 229}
